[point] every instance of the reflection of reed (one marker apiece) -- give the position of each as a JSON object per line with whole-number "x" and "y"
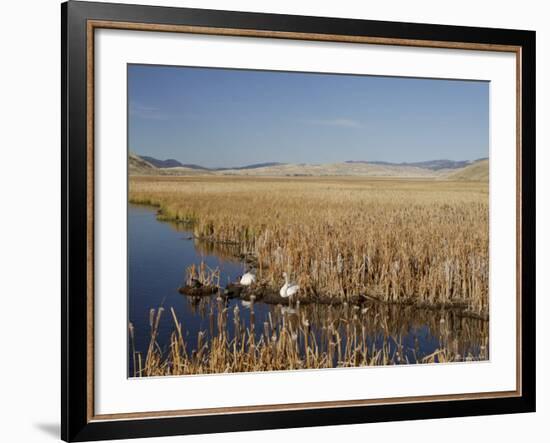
{"x": 310, "y": 336}
{"x": 226, "y": 251}
{"x": 178, "y": 226}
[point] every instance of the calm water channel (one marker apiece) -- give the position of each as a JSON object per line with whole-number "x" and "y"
{"x": 160, "y": 252}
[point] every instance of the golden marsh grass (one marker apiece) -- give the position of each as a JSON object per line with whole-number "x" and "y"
{"x": 399, "y": 241}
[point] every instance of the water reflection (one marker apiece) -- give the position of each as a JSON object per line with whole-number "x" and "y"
{"x": 410, "y": 332}
{"x": 159, "y": 253}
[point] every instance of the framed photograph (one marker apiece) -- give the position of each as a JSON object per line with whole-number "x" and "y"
{"x": 276, "y": 221}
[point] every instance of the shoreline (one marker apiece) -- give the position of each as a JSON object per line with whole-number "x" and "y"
{"x": 379, "y": 288}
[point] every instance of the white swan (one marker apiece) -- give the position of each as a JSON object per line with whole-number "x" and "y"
{"x": 248, "y": 278}
{"x": 288, "y": 289}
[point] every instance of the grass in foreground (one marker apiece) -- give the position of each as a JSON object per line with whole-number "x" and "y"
{"x": 305, "y": 339}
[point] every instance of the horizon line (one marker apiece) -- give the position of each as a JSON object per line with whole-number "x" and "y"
{"x": 276, "y": 163}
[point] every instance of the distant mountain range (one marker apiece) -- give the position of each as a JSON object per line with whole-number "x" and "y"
{"x": 172, "y": 163}
{"x": 169, "y": 163}
{"x": 441, "y": 169}
{"x": 434, "y": 165}
{"x": 252, "y": 166}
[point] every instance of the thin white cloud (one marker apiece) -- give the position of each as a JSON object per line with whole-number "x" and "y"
{"x": 340, "y": 122}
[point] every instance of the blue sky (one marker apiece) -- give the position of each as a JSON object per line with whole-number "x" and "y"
{"x": 223, "y": 117}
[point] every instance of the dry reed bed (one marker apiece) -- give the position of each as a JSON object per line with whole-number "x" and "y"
{"x": 287, "y": 341}
{"x": 396, "y": 240}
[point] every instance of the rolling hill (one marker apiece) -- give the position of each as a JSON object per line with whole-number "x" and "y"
{"x": 170, "y": 163}
{"x": 335, "y": 169}
{"x": 434, "y": 165}
{"x": 478, "y": 171}
{"x": 137, "y": 165}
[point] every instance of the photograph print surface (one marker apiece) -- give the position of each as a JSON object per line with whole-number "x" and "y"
{"x": 288, "y": 220}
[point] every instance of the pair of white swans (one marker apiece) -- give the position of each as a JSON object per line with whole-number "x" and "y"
{"x": 287, "y": 290}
